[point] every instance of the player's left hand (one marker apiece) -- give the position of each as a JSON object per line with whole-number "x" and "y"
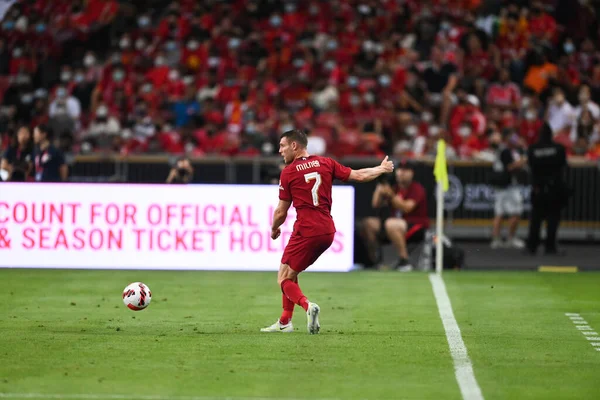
{"x": 388, "y": 166}
{"x": 275, "y": 233}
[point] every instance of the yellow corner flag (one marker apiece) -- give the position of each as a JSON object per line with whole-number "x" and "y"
{"x": 440, "y": 170}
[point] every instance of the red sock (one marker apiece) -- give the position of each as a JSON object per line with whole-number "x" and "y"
{"x": 293, "y": 292}
{"x": 288, "y": 310}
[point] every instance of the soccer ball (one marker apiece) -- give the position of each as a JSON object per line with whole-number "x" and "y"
{"x": 137, "y": 296}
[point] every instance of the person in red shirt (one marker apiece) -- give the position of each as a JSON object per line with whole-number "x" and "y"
{"x": 307, "y": 182}
{"x": 409, "y": 219}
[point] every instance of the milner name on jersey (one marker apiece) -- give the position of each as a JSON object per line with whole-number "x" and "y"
{"x": 307, "y": 165}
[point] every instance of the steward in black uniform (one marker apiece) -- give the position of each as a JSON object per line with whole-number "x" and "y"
{"x": 549, "y": 193}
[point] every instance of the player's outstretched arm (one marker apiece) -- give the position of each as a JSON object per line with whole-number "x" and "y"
{"x": 368, "y": 174}
{"x": 279, "y": 217}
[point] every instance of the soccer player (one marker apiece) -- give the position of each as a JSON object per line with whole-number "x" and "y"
{"x": 307, "y": 182}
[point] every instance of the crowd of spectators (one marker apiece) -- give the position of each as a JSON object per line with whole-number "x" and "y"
{"x": 363, "y": 77}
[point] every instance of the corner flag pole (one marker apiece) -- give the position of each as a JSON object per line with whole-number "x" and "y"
{"x": 440, "y": 170}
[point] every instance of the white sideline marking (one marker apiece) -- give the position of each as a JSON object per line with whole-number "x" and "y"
{"x": 96, "y": 396}
{"x": 585, "y": 329}
{"x": 463, "y": 369}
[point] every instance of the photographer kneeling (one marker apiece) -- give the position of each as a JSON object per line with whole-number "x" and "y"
{"x": 408, "y": 220}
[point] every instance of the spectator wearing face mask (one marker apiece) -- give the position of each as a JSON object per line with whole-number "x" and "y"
{"x": 559, "y": 113}
{"x": 530, "y": 125}
{"x": 64, "y": 111}
{"x": 103, "y": 128}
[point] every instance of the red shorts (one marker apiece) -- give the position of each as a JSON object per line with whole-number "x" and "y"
{"x": 301, "y": 252}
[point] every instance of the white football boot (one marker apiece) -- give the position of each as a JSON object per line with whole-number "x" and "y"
{"x": 313, "y": 318}
{"x": 279, "y": 327}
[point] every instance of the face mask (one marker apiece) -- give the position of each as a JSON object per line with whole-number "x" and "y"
{"x": 61, "y": 92}
{"x": 267, "y": 148}
{"x": 17, "y": 53}
{"x": 159, "y": 61}
{"x": 530, "y": 115}
{"x": 143, "y": 22}
{"x": 354, "y": 100}
{"x": 275, "y": 21}
{"x": 313, "y": 10}
{"x": 329, "y": 65}
{"x": 298, "y": 63}
{"x": 40, "y": 28}
{"x": 125, "y": 43}
{"x": 115, "y": 58}
{"x": 525, "y": 102}
{"x": 352, "y": 81}
{"x": 188, "y": 80}
{"x": 89, "y": 60}
{"x": 411, "y": 131}
{"x": 464, "y": 131}
{"x": 147, "y": 88}
{"x": 102, "y": 112}
{"x": 171, "y": 46}
{"x": 21, "y": 24}
{"x": 369, "y": 98}
{"x": 332, "y": 45}
{"x": 251, "y": 129}
{"x": 213, "y": 62}
{"x": 27, "y": 98}
{"x": 364, "y": 9}
{"x": 385, "y": 80}
{"x": 445, "y": 26}
{"x": 173, "y": 75}
{"x": 368, "y": 46}
{"x": 569, "y": 48}
{"x": 79, "y": 78}
{"x": 8, "y": 25}
{"x": 66, "y": 76}
{"x": 234, "y": 43}
{"x": 118, "y": 75}
{"x": 434, "y": 130}
{"x": 290, "y": 8}
{"x": 426, "y": 117}
{"x": 192, "y": 45}
{"x": 140, "y": 44}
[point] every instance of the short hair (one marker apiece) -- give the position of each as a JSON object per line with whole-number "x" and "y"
{"x": 45, "y": 129}
{"x": 296, "y": 135}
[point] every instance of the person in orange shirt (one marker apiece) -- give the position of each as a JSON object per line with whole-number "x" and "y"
{"x": 540, "y": 73}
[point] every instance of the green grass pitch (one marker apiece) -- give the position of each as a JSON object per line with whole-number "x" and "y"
{"x": 68, "y": 332}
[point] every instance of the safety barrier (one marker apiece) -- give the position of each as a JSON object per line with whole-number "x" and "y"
{"x": 469, "y": 203}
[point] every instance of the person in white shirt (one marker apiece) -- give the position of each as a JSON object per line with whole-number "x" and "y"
{"x": 559, "y": 113}
{"x": 64, "y": 101}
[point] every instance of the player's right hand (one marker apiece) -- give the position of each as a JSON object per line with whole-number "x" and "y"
{"x": 275, "y": 233}
{"x": 388, "y": 166}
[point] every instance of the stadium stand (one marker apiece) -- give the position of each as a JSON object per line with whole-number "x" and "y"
{"x": 363, "y": 77}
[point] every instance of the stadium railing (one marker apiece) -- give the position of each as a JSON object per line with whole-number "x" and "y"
{"x": 469, "y": 202}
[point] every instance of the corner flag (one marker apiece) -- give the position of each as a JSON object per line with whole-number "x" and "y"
{"x": 440, "y": 169}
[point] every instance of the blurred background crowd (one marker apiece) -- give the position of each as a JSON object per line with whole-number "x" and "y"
{"x": 363, "y": 77}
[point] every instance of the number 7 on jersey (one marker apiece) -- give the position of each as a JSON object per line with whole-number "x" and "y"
{"x": 315, "y": 189}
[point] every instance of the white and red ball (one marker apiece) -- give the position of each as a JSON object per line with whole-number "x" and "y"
{"x": 137, "y": 296}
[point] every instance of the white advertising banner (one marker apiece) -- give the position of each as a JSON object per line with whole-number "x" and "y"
{"x": 120, "y": 226}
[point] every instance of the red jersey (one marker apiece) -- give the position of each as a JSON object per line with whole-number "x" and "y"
{"x": 307, "y": 183}
{"x": 415, "y": 191}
